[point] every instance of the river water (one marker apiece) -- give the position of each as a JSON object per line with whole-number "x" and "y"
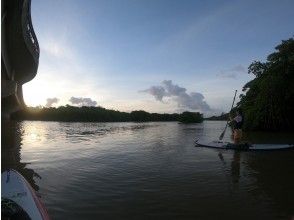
{"x": 149, "y": 171}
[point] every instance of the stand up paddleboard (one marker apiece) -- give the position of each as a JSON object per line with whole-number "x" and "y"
{"x": 19, "y": 199}
{"x": 244, "y": 147}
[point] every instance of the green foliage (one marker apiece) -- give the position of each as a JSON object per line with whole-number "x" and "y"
{"x": 191, "y": 117}
{"x": 89, "y": 114}
{"x": 140, "y": 116}
{"x": 257, "y": 68}
{"x": 222, "y": 117}
{"x": 72, "y": 113}
{"x": 269, "y": 100}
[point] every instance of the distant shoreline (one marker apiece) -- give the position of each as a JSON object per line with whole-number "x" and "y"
{"x": 98, "y": 114}
{"x": 222, "y": 117}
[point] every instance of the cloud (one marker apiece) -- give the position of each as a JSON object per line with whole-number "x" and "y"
{"x": 82, "y": 101}
{"x": 232, "y": 73}
{"x": 173, "y": 90}
{"x": 51, "y": 101}
{"x": 192, "y": 101}
{"x": 157, "y": 91}
{"x": 239, "y": 68}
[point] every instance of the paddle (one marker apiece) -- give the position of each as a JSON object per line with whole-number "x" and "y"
{"x": 222, "y": 134}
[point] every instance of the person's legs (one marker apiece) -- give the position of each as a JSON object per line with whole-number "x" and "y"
{"x": 237, "y": 136}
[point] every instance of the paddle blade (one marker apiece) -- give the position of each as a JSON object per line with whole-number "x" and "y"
{"x": 222, "y": 135}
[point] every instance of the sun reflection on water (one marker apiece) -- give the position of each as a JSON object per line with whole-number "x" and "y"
{"x": 35, "y": 135}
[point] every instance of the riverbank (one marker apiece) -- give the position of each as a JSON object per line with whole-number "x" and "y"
{"x": 99, "y": 114}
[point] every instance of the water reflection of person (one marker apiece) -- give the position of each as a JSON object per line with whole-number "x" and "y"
{"x": 235, "y": 165}
{"x": 11, "y": 133}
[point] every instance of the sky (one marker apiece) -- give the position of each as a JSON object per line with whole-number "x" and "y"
{"x": 153, "y": 55}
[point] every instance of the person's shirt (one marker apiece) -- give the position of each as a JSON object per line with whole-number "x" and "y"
{"x": 239, "y": 122}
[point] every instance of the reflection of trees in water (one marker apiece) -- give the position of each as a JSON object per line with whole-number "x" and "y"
{"x": 274, "y": 179}
{"x": 271, "y": 177}
{"x": 12, "y": 133}
{"x": 272, "y": 171}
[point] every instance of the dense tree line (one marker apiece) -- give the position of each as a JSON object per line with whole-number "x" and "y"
{"x": 268, "y": 102}
{"x": 99, "y": 114}
{"x": 222, "y": 117}
{"x": 190, "y": 117}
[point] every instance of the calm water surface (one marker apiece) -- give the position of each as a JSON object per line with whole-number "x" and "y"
{"x": 149, "y": 171}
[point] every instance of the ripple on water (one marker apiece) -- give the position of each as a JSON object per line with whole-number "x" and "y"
{"x": 151, "y": 170}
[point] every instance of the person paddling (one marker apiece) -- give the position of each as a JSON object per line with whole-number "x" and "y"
{"x": 237, "y": 126}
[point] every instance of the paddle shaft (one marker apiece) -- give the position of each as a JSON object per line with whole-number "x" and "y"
{"x": 222, "y": 134}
